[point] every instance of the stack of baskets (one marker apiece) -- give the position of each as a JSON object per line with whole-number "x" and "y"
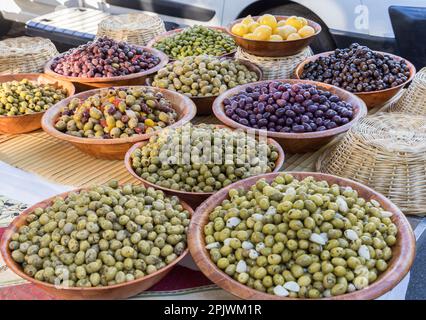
{"x": 135, "y": 28}
{"x": 25, "y": 54}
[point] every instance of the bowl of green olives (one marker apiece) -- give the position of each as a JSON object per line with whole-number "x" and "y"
{"x": 106, "y": 122}
{"x": 301, "y": 235}
{"x": 197, "y": 181}
{"x": 25, "y": 97}
{"x": 115, "y": 252}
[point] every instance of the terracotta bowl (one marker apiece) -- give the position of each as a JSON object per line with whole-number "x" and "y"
{"x": 173, "y": 32}
{"x": 283, "y": 48}
{"x": 83, "y": 84}
{"x": 118, "y": 291}
{"x": 192, "y": 198}
{"x": 204, "y": 104}
{"x": 399, "y": 265}
{"x": 372, "y": 99}
{"x": 114, "y": 149}
{"x": 29, "y": 122}
{"x": 297, "y": 142}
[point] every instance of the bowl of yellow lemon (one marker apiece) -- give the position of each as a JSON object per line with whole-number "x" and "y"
{"x": 273, "y": 36}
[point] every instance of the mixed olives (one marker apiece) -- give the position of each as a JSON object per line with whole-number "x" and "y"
{"x": 282, "y": 107}
{"x": 202, "y": 158}
{"x": 101, "y": 236}
{"x": 203, "y": 76}
{"x": 117, "y": 113}
{"x": 300, "y": 238}
{"x": 26, "y": 97}
{"x": 104, "y": 57}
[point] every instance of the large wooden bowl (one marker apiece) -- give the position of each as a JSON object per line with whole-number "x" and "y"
{"x": 83, "y": 84}
{"x": 172, "y": 33}
{"x": 297, "y": 142}
{"x": 192, "y": 198}
{"x": 372, "y": 99}
{"x": 118, "y": 291}
{"x": 114, "y": 149}
{"x": 399, "y": 265}
{"x": 204, "y": 104}
{"x": 29, "y": 122}
{"x": 283, "y": 48}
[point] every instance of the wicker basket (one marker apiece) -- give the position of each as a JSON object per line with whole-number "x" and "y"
{"x": 387, "y": 152}
{"x": 25, "y": 54}
{"x": 413, "y": 100}
{"x": 135, "y": 28}
{"x": 273, "y": 67}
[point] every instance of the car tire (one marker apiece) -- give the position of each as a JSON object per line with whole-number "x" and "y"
{"x": 323, "y": 42}
{"x": 5, "y": 25}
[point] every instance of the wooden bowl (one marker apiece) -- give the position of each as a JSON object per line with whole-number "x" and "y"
{"x": 118, "y": 291}
{"x": 283, "y": 48}
{"x": 114, "y": 149}
{"x": 171, "y": 33}
{"x": 372, "y": 99}
{"x": 192, "y": 198}
{"x": 297, "y": 142}
{"x": 29, "y": 122}
{"x": 83, "y": 84}
{"x": 204, "y": 104}
{"x": 399, "y": 265}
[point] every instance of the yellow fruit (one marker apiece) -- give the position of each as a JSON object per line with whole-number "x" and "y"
{"x": 306, "y": 31}
{"x": 268, "y": 20}
{"x": 262, "y": 32}
{"x": 275, "y": 37}
{"x": 280, "y": 23}
{"x": 249, "y": 36}
{"x": 295, "y": 22}
{"x": 304, "y": 21}
{"x": 247, "y": 20}
{"x": 252, "y": 26}
{"x": 285, "y": 31}
{"x": 294, "y": 36}
{"x": 239, "y": 29}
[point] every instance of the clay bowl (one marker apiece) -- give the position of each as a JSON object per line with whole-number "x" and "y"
{"x": 114, "y": 149}
{"x": 283, "y": 48}
{"x": 83, "y": 84}
{"x": 29, "y": 122}
{"x": 296, "y": 142}
{"x": 119, "y": 291}
{"x": 204, "y": 104}
{"x": 192, "y": 198}
{"x": 372, "y": 99}
{"x": 399, "y": 265}
{"x": 171, "y": 33}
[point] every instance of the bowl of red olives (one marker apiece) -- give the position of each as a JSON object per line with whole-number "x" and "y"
{"x": 301, "y": 115}
{"x": 104, "y": 63}
{"x": 375, "y": 77}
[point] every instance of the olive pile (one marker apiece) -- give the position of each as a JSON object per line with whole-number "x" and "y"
{"x": 305, "y": 239}
{"x": 281, "y": 107}
{"x": 25, "y": 97}
{"x": 358, "y": 69}
{"x": 117, "y": 113}
{"x": 104, "y": 57}
{"x": 203, "y": 76}
{"x": 101, "y": 236}
{"x": 195, "y": 41}
{"x": 202, "y": 158}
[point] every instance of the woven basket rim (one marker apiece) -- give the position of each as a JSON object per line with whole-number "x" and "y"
{"x": 27, "y": 45}
{"x": 119, "y": 23}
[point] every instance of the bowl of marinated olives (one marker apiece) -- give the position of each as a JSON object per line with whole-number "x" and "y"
{"x": 301, "y": 235}
{"x": 25, "y": 97}
{"x": 106, "y": 122}
{"x": 107, "y": 241}
{"x": 273, "y": 36}
{"x": 203, "y": 78}
{"x": 300, "y": 115}
{"x": 375, "y": 77}
{"x": 105, "y": 62}
{"x": 195, "y": 161}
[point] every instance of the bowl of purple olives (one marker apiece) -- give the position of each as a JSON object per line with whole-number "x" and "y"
{"x": 375, "y": 77}
{"x": 105, "y": 63}
{"x": 301, "y": 115}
